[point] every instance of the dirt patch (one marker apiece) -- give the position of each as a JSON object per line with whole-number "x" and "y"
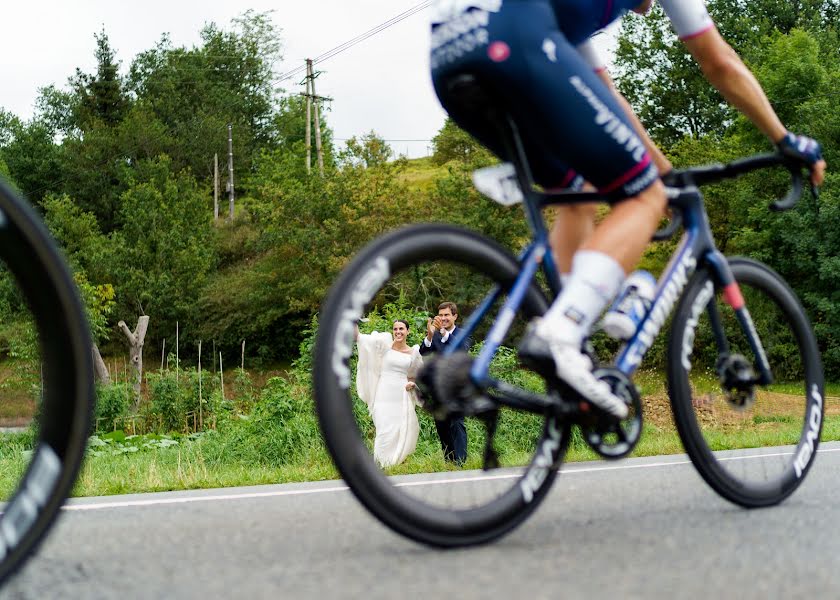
{"x": 715, "y": 411}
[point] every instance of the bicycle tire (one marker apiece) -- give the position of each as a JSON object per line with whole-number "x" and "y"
{"x": 67, "y": 392}
{"x": 795, "y": 360}
{"x": 405, "y": 514}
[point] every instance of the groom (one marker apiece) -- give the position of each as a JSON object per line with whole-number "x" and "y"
{"x": 440, "y": 332}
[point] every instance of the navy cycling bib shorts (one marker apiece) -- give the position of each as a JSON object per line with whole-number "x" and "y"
{"x": 526, "y": 52}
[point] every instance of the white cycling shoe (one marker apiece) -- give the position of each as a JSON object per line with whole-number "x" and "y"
{"x": 574, "y": 368}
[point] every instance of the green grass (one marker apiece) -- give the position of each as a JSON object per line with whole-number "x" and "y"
{"x": 280, "y": 443}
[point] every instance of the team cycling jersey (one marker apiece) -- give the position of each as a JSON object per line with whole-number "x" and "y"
{"x": 535, "y": 56}
{"x": 579, "y": 19}
{"x": 689, "y": 18}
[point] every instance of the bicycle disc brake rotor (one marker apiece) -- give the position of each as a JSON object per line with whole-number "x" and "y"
{"x": 737, "y": 379}
{"x": 610, "y": 438}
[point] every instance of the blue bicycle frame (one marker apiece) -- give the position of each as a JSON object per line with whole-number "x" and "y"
{"x": 696, "y": 250}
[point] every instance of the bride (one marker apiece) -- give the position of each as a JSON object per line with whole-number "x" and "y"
{"x": 385, "y": 381}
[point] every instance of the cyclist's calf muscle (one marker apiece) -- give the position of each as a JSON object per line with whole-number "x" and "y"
{"x": 626, "y": 231}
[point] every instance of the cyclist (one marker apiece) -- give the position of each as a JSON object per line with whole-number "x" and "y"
{"x": 538, "y": 58}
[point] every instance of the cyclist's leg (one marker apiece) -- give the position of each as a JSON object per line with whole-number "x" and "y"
{"x": 566, "y": 115}
{"x": 594, "y": 135}
{"x": 572, "y": 228}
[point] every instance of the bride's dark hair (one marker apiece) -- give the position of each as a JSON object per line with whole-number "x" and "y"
{"x": 407, "y": 328}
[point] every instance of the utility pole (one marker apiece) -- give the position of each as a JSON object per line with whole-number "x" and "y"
{"x": 308, "y": 117}
{"x": 230, "y": 167}
{"x": 216, "y": 186}
{"x": 317, "y": 122}
{"x": 312, "y": 97}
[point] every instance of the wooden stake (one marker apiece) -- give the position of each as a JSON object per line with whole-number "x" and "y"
{"x": 162, "y": 354}
{"x": 222, "y": 373}
{"x": 200, "y": 408}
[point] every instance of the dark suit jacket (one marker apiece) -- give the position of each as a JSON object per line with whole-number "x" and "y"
{"x": 438, "y": 344}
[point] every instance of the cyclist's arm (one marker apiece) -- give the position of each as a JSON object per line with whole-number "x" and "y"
{"x": 727, "y": 72}
{"x": 593, "y": 58}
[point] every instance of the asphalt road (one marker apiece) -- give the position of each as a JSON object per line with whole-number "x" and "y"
{"x": 638, "y": 528}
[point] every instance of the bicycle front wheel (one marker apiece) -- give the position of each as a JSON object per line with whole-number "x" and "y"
{"x": 448, "y": 505}
{"x": 752, "y": 444}
{"x": 49, "y": 375}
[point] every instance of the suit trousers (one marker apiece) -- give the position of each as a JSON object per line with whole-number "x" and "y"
{"x": 453, "y": 439}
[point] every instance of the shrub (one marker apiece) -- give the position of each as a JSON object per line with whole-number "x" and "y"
{"x": 166, "y": 400}
{"x": 112, "y": 402}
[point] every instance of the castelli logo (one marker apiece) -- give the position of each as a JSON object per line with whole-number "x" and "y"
{"x": 498, "y": 52}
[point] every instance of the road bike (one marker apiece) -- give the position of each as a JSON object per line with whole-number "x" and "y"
{"x": 744, "y": 373}
{"x": 37, "y": 283}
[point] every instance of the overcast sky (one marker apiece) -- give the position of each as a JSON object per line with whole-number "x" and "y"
{"x": 380, "y": 84}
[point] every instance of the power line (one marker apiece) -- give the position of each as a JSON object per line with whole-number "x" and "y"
{"x": 359, "y": 38}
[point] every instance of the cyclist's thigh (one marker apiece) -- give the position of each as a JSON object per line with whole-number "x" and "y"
{"x": 464, "y": 45}
{"x": 566, "y": 114}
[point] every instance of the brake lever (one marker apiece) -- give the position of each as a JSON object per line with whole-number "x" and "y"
{"x": 669, "y": 230}
{"x": 795, "y": 193}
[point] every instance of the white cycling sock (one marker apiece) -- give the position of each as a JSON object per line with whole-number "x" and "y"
{"x": 592, "y": 285}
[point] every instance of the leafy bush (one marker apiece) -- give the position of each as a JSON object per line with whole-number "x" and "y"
{"x": 166, "y": 399}
{"x": 184, "y": 400}
{"x": 112, "y": 402}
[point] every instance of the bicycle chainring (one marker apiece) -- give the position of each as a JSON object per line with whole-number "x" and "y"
{"x": 608, "y": 437}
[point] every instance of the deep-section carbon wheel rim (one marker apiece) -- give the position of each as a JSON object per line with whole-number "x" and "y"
{"x": 332, "y": 351}
{"x": 67, "y": 374}
{"x": 781, "y": 323}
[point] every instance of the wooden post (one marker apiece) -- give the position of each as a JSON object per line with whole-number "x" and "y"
{"x": 308, "y": 116}
{"x": 214, "y": 357}
{"x": 162, "y": 354}
{"x": 222, "y": 373}
{"x": 200, "y": 407}
{"x": 216, "y": 186}
{"x": 230, "y": 167}
{"x": 317, "y": 124}
{"x": 177, "y": 355}
{"x": 242, "y": 366}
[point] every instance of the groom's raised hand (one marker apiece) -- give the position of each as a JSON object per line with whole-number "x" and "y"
{"x": 430, "y": 329}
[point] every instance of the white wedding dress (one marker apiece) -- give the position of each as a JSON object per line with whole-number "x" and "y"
{"x": 381, "y": 375}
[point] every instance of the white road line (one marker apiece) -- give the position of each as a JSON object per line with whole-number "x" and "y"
{"x": 330, "y": 490}
{"x": 188, "y": 499}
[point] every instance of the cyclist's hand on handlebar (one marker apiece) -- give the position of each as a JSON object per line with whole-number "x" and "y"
{"x": 808, "y": 151}
{"x": 671, "y": 178}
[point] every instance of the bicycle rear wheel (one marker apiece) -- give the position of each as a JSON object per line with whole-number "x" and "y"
{"x": 753, "y": 444}
{"x": 430, "y": 264}
{"x": 51, "y": 372}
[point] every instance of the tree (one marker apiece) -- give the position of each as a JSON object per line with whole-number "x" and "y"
{"x": 33, "y": 159}
{"x": 163, "y": 251}
{"x": 453, "y": 143}
{"x": 665, "y": 85}
{"x": 195, "y": 93}
{"x": 99, "y": 98}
